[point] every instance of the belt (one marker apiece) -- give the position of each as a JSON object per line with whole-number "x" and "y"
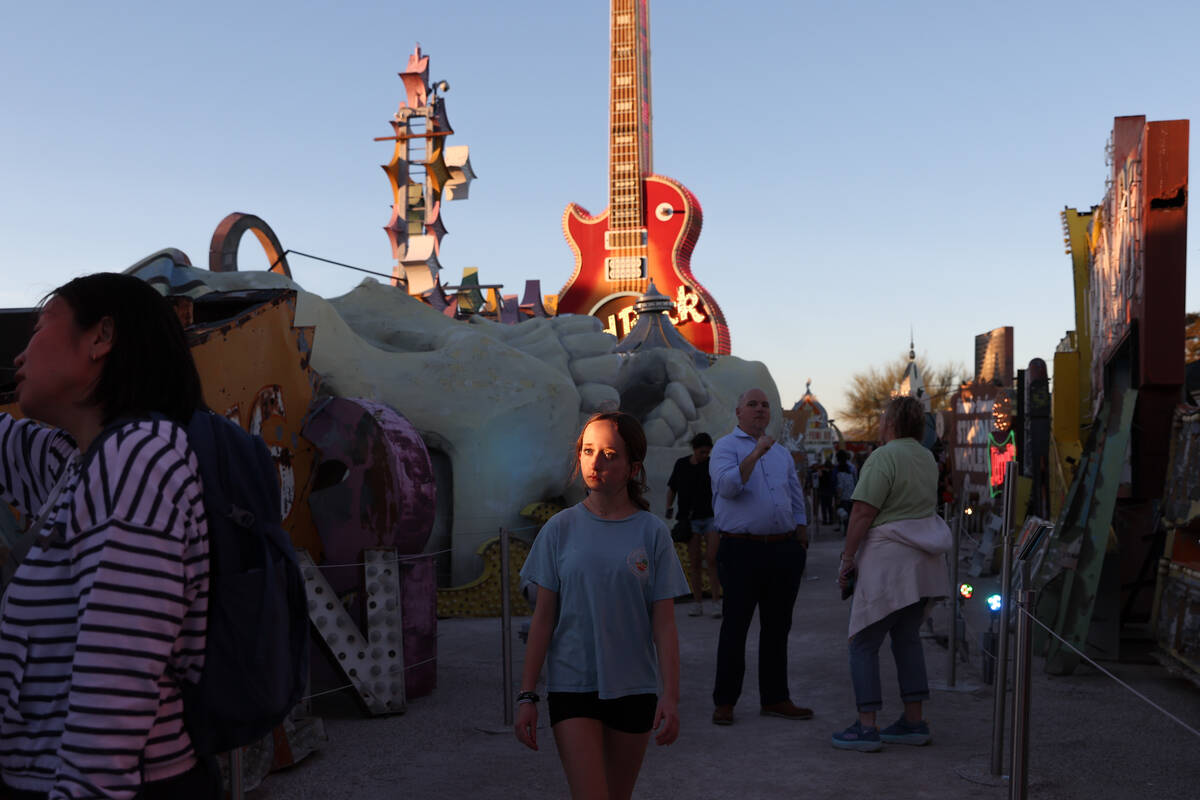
{"x": 754, "y": 537}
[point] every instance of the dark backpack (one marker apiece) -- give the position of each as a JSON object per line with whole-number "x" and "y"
{"x": 256, "y": 656}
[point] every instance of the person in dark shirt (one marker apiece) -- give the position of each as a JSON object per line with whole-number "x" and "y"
{"x": 691, "y": 483}
{"x": 826, "y": 490}
{"x": 845, "y": 479}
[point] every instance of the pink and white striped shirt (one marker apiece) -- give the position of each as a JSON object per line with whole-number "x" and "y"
{"x": 106, "y": 615}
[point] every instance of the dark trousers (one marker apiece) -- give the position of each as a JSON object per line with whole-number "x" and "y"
{"x": 766, "y": 576}
{"x": 826, "y": 500}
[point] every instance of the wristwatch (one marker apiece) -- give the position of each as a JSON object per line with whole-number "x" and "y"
{"x": 528, "y": 697}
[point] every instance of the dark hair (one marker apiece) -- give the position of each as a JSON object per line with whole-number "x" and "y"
{"x": 701, "y": 439}
{"x": 907, "y": 417}
{"x": 150, "y": 366}
{"x": 630, "y": 431}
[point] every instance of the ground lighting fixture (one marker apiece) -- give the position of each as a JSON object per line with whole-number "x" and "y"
{"x": 966, "y": 590}
{"x": 993, "y": 603}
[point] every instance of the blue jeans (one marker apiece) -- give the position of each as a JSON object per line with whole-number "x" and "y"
{"x": 905, "y": 629}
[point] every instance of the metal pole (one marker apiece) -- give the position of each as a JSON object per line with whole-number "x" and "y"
{"x": 235, "y": 774}
{"x": 1010, "y": 479}
{"x": 1006, "y": 579}
{"x": 1018, "y": 781}
{"x": 954, "y": 596}
{"x": 506, "y": 627}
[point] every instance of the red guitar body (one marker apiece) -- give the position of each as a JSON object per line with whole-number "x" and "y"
{"x": 672, "y": 219}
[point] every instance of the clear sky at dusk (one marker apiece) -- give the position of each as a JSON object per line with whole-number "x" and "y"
{"x": 863, "y": 167}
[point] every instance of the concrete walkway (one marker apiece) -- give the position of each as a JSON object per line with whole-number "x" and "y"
{"x": 1090, "y": 737}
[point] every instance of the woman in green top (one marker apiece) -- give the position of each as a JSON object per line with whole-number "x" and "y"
{"x": 894, "y": 553}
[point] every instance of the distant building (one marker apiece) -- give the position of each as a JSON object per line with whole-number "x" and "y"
{"x": 808, "y": 429}
{"x": 994, "y": 356}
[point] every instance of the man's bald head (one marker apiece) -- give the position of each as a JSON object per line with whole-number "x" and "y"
{"x": 753, "y": 412}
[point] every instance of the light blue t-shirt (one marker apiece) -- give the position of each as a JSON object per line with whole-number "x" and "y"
{"x": 608, "y": 574}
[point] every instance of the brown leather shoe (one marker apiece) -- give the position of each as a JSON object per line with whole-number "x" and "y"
{"x": 723, "y": 715}
{"x": 787, "y": 709}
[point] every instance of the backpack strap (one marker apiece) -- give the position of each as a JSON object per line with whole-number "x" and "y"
{"x": 26, "y": 540}
{"x": 21, "y": 549}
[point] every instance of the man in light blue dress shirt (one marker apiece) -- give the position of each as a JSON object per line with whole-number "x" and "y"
{"x": 760, "y": 514}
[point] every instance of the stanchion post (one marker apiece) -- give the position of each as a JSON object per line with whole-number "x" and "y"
{"x": 506, "y": 627}
{"x": 1018, "y": 780}
{"x": 998, "y": 706}
{"x": 954, "y": 597}
{"x": 236, "y": 792}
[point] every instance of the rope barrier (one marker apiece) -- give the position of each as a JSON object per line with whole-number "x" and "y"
{"x": 351, "y": 685}
{"x": 495, "y": 529}
{"x": 335, "y": 263}
{"x": 415, "y": 556}
{"x": 385, "y": 560}
{"x": 1143, "y": 697}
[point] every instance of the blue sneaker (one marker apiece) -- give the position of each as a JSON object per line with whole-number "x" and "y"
{"x": 904, "y": 732}
{"x": 856, "y": 737}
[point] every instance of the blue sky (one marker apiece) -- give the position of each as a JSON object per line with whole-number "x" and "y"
{"x": 863, "y": 167}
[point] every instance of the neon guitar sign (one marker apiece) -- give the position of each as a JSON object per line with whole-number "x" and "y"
{"x": 652, "y": 222}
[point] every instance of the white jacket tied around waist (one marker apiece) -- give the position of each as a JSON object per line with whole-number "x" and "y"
{"x": 898, "y": 564}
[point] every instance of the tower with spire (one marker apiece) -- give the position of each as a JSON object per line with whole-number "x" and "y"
{"x": 911, "y": 383}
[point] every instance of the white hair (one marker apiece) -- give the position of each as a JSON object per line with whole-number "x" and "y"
{"x": 742, "y": 397}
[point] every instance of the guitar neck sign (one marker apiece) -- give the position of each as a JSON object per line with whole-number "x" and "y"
{"x": 651, "y": 225}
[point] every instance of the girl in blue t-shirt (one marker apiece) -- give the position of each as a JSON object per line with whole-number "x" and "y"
{"x": 604, "y": 622}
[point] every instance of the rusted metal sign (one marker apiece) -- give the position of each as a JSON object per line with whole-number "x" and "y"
{"x": 375, "y": 485}
{"x": 1181, "y": 498}
{"x": 1177, "y": 597}
{"x": 374, "y": 661}
{"x": 1068, "y": 575}
{"x": 373, "y": 488}
{"x": 255, "y": 370}
{"x": 222, "y": 254}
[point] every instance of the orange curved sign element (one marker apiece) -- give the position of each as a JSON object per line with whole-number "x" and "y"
{"x": 222, "y": 252}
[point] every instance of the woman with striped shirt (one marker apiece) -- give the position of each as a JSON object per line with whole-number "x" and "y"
{"x": 106, "y": 614}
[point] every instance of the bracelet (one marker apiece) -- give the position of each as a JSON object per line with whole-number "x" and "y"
{"x": 528, "y": 697}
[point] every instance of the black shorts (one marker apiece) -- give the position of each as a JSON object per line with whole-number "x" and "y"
{"x": 633, "y": 713}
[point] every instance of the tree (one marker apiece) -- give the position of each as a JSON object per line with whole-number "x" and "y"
{"x": 871, "y": 389}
